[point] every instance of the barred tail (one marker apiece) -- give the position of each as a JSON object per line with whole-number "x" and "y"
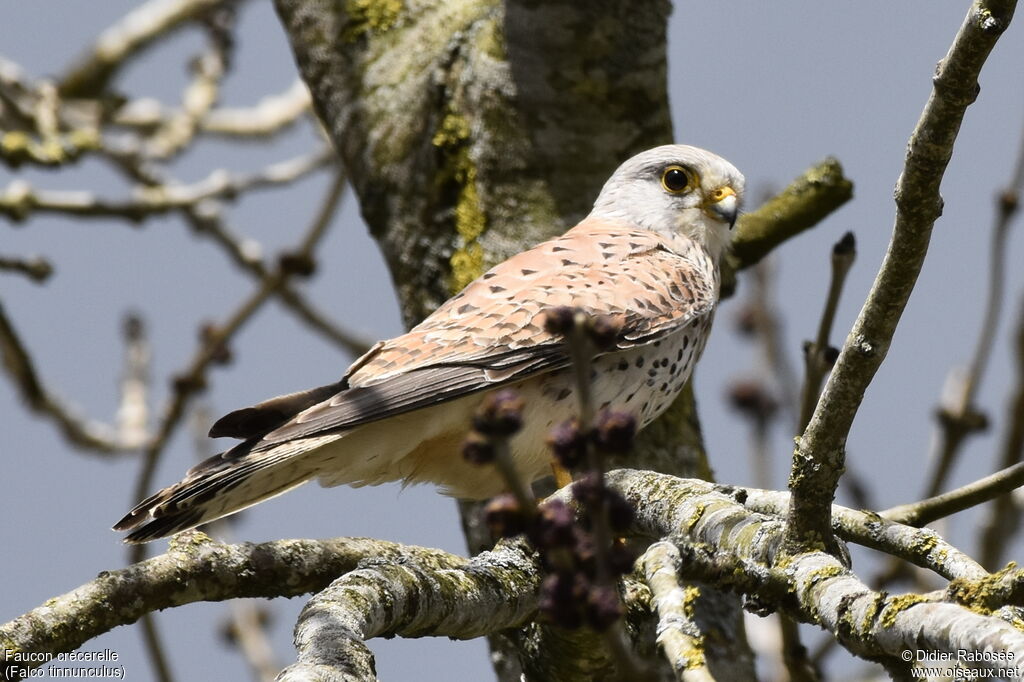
{"x": 222, "y": 485}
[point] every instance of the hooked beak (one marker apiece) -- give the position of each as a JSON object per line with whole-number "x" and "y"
{"x": 723, "y": 204}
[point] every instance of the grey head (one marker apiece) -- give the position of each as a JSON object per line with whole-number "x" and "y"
{"x": 677, "y": 190}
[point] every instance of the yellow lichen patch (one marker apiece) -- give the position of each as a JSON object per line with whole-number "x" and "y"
{"x": 691, "y": 593}
{"x": 453, "y": 131}
{"x": 14, "y": 141}
{"x": 825, "y": 573}
{"x": 897, "y": 605}
{"x": 189, "y": 541}
{"x": 370, "y": 16}
{"x": 987, "y": 594}
{"x": 698, "y": 514}
{"x": 870, "y": 613}
{"x": 467, "y": 263}
{"x": 491, "y": 41}
{"x": 926, "y": 542}
{"x": 694, "y": 659}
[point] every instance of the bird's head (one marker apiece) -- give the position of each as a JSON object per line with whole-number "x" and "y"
{"x": 675, "y": 189}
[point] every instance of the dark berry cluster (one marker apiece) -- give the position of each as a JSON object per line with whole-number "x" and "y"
{"x": 580, "y": 546}
{"x": 601, "y": 330}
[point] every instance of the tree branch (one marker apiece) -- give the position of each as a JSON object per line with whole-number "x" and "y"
{"x": 137, "y": 30}
{"x": 417, "y": 597}
{"x": 922, "y": 547}
{"x": 20, "y": 200}
{"x": 271, "y": 115}
{"x": 432, "y": 592}
{"x": 681, "y": 640}
{"x": 745, "y": 553}
{"x": 197, "y": 569}
{"x": 818, "y": 460}
{"x": 971, "y": 495}
{"x": 38, "y": 269}
{"x": 808, "y": 199}
{"x": 89, "y": 435}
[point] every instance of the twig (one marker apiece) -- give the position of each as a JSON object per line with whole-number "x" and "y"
{"x": 248, "y": 633}
{"x": 89, "y": 435}
{"x": 816, "y": 362}
{"x": 1003, "y": 519}
{"x": 200, "y": 95}
{"x": 921, "y": 547}
{"x": 679, "y": 638}
{"x": 133, "y": 413}
{"x": 38, "y": 269}
{"x": 38, "y": 127}
{"x": 819, "y": 191}
{"x": 958, "y": 417}
{"x": 799, "y": 666}
{"x": 754, "y": 401}
{"x": 820, "y": 453}
{"x": 153, "y": 643}
{"x": 271, "y": 115}
{"x": 141, "y": 28}
{"x": 20, "y": 200}
{"x": 971, "y": 495}
{"x": 769, "y": 330}
{"x": 206, "y": 218}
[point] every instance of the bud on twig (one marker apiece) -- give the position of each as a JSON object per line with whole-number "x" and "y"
{"x": 752, "y": 399}
{"x": 554, "y": 526}
{"x": 504, "y": 517}
{"x": 501, "y": 414}
{"x": 603, "y": 331}
{"x": 614, "y": 431}
{"x": 560, "y": 321}
{"x": 846, "y": 246}
{"x": 561, "y": 595}
{"x": 603, "y": 607}
{"x": 567, "y": 443}
{"x": 748, "y": 320}
{"x": 477, "y": 449}
{"x": 220, "y": 353}
{"x": 299, "y": 264}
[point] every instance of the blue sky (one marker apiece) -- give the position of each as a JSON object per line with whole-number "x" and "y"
{"x": 772, "y": 87}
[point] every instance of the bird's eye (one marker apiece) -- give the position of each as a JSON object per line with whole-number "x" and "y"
{"x": 675, "y": 179}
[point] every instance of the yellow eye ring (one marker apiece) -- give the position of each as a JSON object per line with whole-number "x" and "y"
{"x": 676, "y": 179}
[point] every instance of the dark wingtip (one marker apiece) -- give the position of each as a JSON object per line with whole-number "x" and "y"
{"x": 257, "y": 420}
{"x": 161, "y": 527}
{"x": 244, "y": 422}
{"x": 126, "y": 523}
{"x": 137, "y": 515}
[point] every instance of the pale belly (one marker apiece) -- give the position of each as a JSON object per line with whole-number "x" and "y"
{"x": 425, "y": 446}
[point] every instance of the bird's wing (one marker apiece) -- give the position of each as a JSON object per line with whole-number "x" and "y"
{"x": 492, "y": 333}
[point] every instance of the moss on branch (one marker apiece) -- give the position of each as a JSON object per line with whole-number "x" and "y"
{"x": 805, "y": 202}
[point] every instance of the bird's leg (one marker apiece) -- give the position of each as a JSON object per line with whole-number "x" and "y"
{"x": 562, "y": 475}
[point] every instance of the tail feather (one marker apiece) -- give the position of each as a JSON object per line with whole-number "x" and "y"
{"x": 221, "y": 485}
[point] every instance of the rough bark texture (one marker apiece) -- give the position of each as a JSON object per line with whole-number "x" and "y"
{"x": 472, "y": 129}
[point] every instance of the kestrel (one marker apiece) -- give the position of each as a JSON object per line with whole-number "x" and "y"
{"x": 646, "y": 256}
